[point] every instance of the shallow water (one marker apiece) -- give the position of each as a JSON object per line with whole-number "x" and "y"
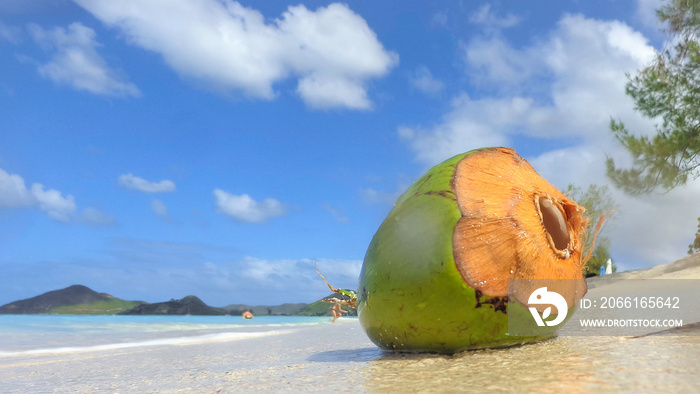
{"x": 38, "y": 332}
{"x": 315, "y": 355}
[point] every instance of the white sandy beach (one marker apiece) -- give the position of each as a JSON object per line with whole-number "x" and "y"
{"x": 339, "y": 357}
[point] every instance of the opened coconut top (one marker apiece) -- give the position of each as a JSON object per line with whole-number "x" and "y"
{"x": 515, "y": 225}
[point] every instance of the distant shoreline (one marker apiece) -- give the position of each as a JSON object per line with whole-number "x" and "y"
{"x": 81, "y": 300}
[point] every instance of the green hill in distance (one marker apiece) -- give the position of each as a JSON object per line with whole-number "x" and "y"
{"x": 189, "y": 305}
{"x": 73, "y": 300}
{"x": 81, "y": 300}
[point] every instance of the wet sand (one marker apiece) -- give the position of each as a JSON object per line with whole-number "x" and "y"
{"x": 339, "y": 357}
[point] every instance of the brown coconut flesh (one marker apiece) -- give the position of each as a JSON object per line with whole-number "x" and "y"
{"x": 515, "y": 225}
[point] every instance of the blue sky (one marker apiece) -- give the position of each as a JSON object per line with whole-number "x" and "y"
{"x": 156, "y": 149}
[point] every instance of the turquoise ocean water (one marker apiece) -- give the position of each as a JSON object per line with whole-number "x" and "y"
{"x": 37, "y": 334}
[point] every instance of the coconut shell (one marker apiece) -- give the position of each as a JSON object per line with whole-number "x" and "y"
{"x": 435, "y": 276}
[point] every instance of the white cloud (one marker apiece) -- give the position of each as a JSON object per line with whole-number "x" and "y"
{"x": 280, "y": 278}
{"x": 76, "y": 62}
{"x": 336, "y": 213}
{"x": 332, "y": 51}
{"x": 585, "y": 61}
{"x": 130, "y": 181}
{"x": 13, "y": 191}
{"x": 53, "y": 203}
{"x": 159, "y": 208}
{"x": 492, "y": 61}
{"x": 265, "y": 270}
{"x": 566, "y": 86}
{"x": 288, "y": 273}
{"x": 646, "y": 12}
{"x": 96, "y": 218}
{"x": 485, "y": 16}
{"x": 15, "y": 194}
{"x": 325, "y": 91}
{"x": 423, "y": 80}
{"x": 373, "y": 196}
{"x": 244, "y": 209}
{"x": 612, "y": 46}
{"x": 9, "y": 33}
{"x": 467, "y": 126}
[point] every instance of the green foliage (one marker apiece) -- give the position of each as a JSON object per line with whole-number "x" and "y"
{"x": 600, "y": 256}
{"x": 108, "y": 307}
{"x": 190, "y": 305}
{"x": 598, "y": 202}
{"x": 317, "y": 308}
{"x": 320, "y": 308}
{"x": 668, "y": 90}
{"x": 695, "y": 246}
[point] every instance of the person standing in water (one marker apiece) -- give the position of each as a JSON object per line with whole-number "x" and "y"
{"x": 337, "y": 311}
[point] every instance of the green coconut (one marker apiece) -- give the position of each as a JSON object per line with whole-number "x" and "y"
{"x": 435, "y": 276}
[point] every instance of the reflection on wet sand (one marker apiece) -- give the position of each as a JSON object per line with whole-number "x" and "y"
{"x": 574, "y": 364}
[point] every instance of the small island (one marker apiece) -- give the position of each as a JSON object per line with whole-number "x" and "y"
{"x": 81, "y": 300}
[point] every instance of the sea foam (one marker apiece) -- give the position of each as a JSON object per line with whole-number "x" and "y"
{"x": 187, "y": 340}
